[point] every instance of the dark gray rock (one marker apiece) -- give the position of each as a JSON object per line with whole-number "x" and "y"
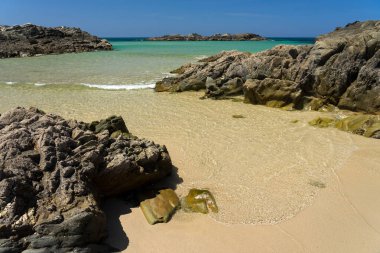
{"x": 29, "y": 40}
{"x": 342, "y": 69}
{"x": 53, "y": 175}
{"x": 215, "y": 37}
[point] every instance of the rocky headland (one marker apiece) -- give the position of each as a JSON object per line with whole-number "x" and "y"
{"x": 29, "y": 40}
{"x": 215, "y": 37}
{"x": 54, "y": 173}
{"x": 342, "y": 69}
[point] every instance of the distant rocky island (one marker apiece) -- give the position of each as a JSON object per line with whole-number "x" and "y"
{"x": 29, "y": 40}
{"x": 215, "y": 37}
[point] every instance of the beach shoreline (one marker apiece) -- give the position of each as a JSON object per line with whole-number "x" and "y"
{"x": 232, "y": 158}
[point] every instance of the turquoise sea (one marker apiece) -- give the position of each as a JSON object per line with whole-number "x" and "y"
{"x": 134, "y": 63}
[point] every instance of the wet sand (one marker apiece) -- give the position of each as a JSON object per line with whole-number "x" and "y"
{"x": 280, "y": 186}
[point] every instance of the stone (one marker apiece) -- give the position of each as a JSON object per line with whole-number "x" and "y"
{"x": 29, "y": 40}
{"x": 361, "y": 124}
{"x": 322, "y": 122}
{"x": 118, "y": 133}
{"x": 272, "y": 92}
{"x": 111, "y": 124}
{"x": 160, "y": 207}
{"x": 54, "y": 174}
{"x": 366, "y": 125}
{"x": 199, "y": 201}
{"x": 195, "y": 84}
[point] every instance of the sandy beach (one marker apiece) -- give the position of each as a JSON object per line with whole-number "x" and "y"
{"x": 342, "y": 218}
{"x": 280, "y": 186}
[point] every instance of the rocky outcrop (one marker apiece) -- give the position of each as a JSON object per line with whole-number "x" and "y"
{"x": 54, "y": 173}
{"x": 342, "y": 69}
{"x": 215, "y": 37}
{"x": 29, "y": 40}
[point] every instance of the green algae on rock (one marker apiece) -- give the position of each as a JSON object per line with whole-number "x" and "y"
{"x": 366, "y": 125}
{"x": 361, "y": 124}
{"x": 118, "y": 133}
{"x": 317, "y": 183}
{"x": 199, "y": 201}
{"x": 161, "y": 207}
{"x": 322, "y": 122}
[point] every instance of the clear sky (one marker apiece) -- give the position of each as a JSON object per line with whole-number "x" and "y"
{"x": 129, "y": 18}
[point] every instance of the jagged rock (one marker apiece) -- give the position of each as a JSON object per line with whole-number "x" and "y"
{"x": 29, "y": 40}
{"x": 272, "y": 92}
{"x": 111, "y": 124}
{"x": 341, "y": 69}
{"x": 53, "y": 175}
{"x": 366, "y": 125}
{"x": 216, "y": 37}
{"x": 199, "y": 201}
{"x": 160, "y": 207}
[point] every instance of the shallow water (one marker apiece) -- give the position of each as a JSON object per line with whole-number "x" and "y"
{"x": 261, "y": 168}
{"x": 132, "y": 64}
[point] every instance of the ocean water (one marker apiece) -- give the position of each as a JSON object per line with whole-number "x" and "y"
{"x": 133, "y": 64}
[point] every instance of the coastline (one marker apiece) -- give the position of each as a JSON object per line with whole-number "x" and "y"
{"x": 322, "y": 219}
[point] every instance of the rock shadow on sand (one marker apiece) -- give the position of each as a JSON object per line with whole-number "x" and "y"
{"x": 116, "y": 207}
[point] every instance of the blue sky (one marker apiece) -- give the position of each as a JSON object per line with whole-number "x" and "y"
{"x": 118, "y": 18}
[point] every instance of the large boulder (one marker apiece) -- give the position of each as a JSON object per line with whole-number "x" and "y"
{"x": 342, "y": 69}
{"x": 29, "y": 40}
{"x": 54, "y": 172}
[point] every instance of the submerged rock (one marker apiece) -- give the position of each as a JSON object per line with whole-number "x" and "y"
{"x": 29, "y": 40}
{"x": 341, "y": 69}
{"x": 53, "y": 175}
{"x": 322, "y": 122}
{"x": 366, "y": 125}
{"x": 160, "y": 207}
{"x": 199, "y": 201}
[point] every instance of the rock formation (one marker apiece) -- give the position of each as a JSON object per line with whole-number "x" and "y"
{"x": 342, "y": 69}
{"x": 215, "y": 37}
{"x": 29, "y": 40}
{"x": 54, "y": 173}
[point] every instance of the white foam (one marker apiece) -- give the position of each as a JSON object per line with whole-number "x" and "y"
{"x": 120, "y": 86}
{"x": 201, "y": 57}
{"x": 10, "y": 83}
{"x": 167, "y": 74}
{"x": 40, "y": 84}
